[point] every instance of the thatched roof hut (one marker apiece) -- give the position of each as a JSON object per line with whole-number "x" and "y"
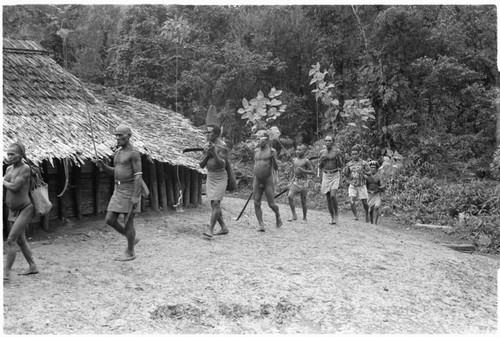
{"x": 48, "y": 109}
{"x": 51, "y": 112}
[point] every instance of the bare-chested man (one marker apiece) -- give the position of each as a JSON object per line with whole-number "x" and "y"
{"x": 330, "y": 162}
{"x": 215, "y": 160}
{"x": 126, "y": 198}
{"x": 301, "y": 168}
{"x": 265, "y": 172}
{"x": 17, "y": 185}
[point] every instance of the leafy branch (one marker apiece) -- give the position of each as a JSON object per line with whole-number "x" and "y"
{"x": 356, "y": 111}
{"x": 261, "y": 110}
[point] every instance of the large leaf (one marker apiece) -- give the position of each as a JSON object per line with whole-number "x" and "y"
{"x": 275, "y": 102}
{"x": 274, "y": 92}
{"x": 245, "y": 103}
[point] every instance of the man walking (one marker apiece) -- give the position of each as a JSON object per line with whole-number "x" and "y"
{"x": 330, "y": 162}
{"x": 215, "y": 160}
{"x": 265, "y": 172}
{"x": 126, "y": 197}
{"x": 16, "y": 182}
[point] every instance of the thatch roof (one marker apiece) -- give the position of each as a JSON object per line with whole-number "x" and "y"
{"x": 48, "y": 109}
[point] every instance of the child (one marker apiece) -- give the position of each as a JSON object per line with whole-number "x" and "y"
{"x": 356, "y": 171}
{"x": 374, "y": 188}
{"x": 301, "y": 168}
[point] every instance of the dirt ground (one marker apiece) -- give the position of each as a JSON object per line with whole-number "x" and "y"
{"x": 306, "y": 277}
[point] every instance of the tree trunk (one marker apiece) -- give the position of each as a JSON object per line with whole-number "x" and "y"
{"x": 498, "y": 121}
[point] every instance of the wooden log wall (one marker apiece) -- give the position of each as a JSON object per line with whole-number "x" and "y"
{"x": 88, "y": 191}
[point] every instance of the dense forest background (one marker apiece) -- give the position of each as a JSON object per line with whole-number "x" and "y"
{"x": 418, "y": 81}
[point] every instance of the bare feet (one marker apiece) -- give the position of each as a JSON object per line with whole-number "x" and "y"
{"x": 29, "y": 271}
{"x": 222, "y": 232}
{"x": 261, "y": 229}
{"x": 279, "y": 223}
{"x": 207, "y": 235}
{"x": 126, "y": 257}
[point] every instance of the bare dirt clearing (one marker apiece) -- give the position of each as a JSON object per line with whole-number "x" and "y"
{"x": 302, "y": 278}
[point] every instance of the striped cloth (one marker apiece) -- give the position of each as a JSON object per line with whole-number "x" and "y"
{"x": 374, "y": 199}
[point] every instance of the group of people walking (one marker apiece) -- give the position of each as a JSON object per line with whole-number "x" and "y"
{"x": 127, "y": 172}
{"x": 364, "y": 183}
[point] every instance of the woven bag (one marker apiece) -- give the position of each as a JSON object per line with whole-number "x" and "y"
{"x": 39, "y": 193}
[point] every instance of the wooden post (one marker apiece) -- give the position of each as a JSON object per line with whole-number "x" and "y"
{"x": 175, "y": 180}
{"x": 194, "y": 187}
{"x": 169, "y": 176}
{"x": 200, "y": 189}
{"x": 61, "y": 182}
{"x": 187, "y": 186}
{"x": 45, "y": 176}
{"x": 162, "y": 185}
{"x": 145, "y": 177}
{"x": 97, "y": 189}
{"x": 153, "y": 188}
{"x": 77, "y": 183}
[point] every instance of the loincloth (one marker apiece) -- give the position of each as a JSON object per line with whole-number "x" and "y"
{"x": 122, "y": 198}
{"x": 300, "y": 184}
{"x": 330, "y": 181}
{"x": 216, "y": 184}
{"x": 14, "y": 214}
{"x": 374, "y": 200}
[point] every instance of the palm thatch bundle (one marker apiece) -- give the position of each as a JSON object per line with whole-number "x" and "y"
{"x": 48, "y": 109}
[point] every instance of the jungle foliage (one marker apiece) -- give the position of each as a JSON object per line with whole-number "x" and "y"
{"x": 421, "y": 80}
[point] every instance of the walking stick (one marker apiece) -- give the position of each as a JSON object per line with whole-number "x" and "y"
{"x": 243, "y": 210}
{"x": 131, "y": 208}
{"x": 279, "y": 194}
{"x": 90, "y": 120}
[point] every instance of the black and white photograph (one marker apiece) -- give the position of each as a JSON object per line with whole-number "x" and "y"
{"x": 252, "y": 168}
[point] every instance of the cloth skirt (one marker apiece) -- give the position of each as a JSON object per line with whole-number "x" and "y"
{"x": 330, "y": 181}
{"x": 121, "y": 199}
{"x": 216, "y": 184}
{"x": 374, "y": 200}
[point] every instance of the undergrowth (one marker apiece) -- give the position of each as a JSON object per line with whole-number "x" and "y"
{"x": 471, "y": 208}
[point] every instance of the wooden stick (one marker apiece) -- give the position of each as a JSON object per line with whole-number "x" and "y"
{"x": 279, "y": 194}
{"x": 90, "y": 120}
{"x": 420, "y": 225}
{"x": 192, "y": 149}
{"x": 243, "y": 210}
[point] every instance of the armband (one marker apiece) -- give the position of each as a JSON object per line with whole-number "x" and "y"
{"x": 137, "y": 173}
